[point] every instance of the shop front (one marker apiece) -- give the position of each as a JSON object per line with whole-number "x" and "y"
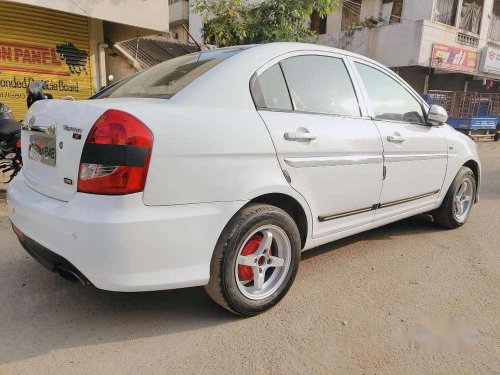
{"x": 43, "y": 44}
{"x": 460, "y": 85}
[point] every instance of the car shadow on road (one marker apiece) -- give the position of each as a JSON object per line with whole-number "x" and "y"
{"x": 46, "y": 313}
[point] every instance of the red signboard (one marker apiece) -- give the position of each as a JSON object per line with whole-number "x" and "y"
{"x": 454, "y": 58}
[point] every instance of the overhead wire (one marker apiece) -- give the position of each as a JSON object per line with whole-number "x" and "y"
{"x": 82, "y": 9}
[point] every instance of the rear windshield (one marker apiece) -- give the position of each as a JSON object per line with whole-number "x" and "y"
{"x": 167, "y": 79}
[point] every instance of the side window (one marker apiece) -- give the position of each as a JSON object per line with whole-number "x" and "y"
{"x": 389, "y": 100}
{"x": 269, "y": 90}
{"x": 320, "y": 84}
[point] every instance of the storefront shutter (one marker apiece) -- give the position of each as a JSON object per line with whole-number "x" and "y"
{"x": 42, "y": 44}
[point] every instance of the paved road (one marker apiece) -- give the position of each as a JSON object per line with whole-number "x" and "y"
{"x": 408, "y": 298}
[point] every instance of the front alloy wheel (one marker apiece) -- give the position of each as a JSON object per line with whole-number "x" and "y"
{"x": 463, "y": 200}
{"x": 255, "y": 260}
{"x": 457, "y": 204}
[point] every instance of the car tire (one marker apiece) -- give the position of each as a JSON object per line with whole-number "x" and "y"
{"x": 497, "y": 135}
{"x": 458, "y": 202}
{"x": 242, "y": 277}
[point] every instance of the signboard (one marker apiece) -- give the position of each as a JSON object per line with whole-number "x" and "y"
{"x": 484, "y": 123}
{"x": 490, "y": 60}
{"x": 59, "y": 55}
{"x": 454, "y": 58}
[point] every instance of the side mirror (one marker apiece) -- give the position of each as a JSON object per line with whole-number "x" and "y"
{"x": 437, "y": 115}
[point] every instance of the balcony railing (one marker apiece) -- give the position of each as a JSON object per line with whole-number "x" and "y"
{"x": 467, "y": 39}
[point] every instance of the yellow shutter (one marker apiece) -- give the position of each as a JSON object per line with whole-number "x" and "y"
{"x": 42, "y": 44}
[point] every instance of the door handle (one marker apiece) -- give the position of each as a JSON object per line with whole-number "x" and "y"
{"x": 302, "y": 136}
{"x": 396, "y": 138}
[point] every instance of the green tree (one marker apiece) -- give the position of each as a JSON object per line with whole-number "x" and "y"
{"x": 235, "y": 22}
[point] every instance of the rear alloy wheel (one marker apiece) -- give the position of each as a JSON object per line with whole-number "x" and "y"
{"x": 457, "y": 205}
{"x": 255, "y": 260}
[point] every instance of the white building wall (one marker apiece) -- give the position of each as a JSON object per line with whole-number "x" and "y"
{"x": 150, "y": 14}
{"x": 408, "y": 43}
{"x": 416, "y": 10}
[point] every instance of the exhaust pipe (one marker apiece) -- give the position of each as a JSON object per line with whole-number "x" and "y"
{"x": 70, "y": 275}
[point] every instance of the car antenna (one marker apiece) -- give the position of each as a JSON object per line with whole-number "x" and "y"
{"x": 194, "y": 40}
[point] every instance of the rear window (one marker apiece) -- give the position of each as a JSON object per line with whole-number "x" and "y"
{"x": 167, "y": 79}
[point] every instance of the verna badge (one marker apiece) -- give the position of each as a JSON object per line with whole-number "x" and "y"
{"x": 77, "y": 132}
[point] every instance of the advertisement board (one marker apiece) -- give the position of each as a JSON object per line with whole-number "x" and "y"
{"x": 456, "y": 59}
{"x": 490, "y": 60}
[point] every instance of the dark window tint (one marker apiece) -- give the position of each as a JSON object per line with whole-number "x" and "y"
{"x": 168, "y": 78}
{"x": 270, "y": 91}
{"x": 389, "y": 100}
{"x": 320, "y": 84}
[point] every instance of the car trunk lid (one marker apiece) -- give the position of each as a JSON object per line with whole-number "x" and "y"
{"x": 53, "y": 136}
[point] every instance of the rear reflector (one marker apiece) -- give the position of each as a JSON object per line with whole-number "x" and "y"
{"x": 16, "y": 230}
{"x": 115, "y": 158}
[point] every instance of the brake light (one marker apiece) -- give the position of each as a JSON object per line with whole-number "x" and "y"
{"x": 115, "y": 158}
{"x": 18, "y": 143}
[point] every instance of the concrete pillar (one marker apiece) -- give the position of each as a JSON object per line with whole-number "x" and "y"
{"x": 97, "y": 54}
{"x": 426, "y": 83}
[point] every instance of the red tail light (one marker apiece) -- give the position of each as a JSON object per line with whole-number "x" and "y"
{"x": 115, "y": 158}
{"x": 18, "y": 143}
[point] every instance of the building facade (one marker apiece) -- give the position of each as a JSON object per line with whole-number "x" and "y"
{"x": 433, "y": 44}
{"x": 451, "y": 45}
{"x": 68, "y": 44}
{"x": 179, "y": 19}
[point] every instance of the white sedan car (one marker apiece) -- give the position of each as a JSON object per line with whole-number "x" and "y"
{"x": 218, "y": 168}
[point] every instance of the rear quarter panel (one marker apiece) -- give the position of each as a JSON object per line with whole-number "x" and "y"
{"x": 209, "y": 154}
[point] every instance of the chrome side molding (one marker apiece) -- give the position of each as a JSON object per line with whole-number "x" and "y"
{"x": 339, "y": 215}
{"x": 409, "y": 199}
{"x": 328, "y": 161}
{"x": 390, "y": 158}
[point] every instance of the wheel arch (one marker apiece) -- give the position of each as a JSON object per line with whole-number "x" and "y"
{"x": 291, "y": 206}
{"x": 474, "y": 166}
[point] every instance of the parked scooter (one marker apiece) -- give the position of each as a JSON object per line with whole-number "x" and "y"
{"x": 10, "y": 145}
{"x": 11, "y": 160}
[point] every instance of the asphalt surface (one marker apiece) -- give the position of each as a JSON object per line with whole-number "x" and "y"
{"x": 407, "y": 298}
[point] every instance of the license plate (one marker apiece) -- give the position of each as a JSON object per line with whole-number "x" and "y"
{"x": 42, "y": 148}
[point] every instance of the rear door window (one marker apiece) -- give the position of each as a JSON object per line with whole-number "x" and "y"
{"x": 270, "y": 91}
{"x": 320, "y": 84}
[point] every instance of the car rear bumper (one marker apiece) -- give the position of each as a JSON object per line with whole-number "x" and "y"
{"x": 49, "y": 259}
{"x": 118, "y": 243}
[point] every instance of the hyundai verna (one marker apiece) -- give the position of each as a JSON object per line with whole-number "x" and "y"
{"x": 218, "y": 168}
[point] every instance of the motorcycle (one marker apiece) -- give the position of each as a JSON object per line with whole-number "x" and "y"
{"x": 11, "y": 160}
{"x": 10, "y": 145}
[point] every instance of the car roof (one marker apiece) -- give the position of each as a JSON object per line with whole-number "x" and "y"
{"x": 284, "y": 47}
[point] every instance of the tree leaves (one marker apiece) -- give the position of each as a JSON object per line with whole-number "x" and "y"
{"x": 236, "y": 22}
